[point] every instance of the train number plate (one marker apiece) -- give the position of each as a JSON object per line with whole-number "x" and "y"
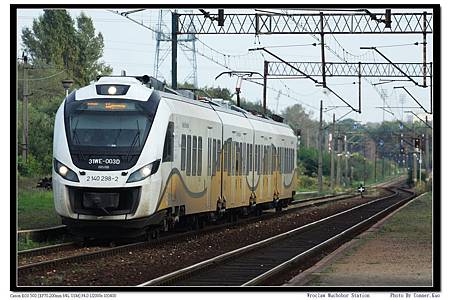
{"x": 102, "y": 178}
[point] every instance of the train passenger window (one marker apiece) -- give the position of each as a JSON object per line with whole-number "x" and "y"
{"x": 292, "y": 160}
{"x": 229, "y": 146}
{"x": 188, "y": 158}
{"x": 194, "y": 156}
{"x": 247, "y": 160}
{"x": 240, "y": 159}
{"x": 258, "y": 159}
{"x": 200, "y": 157}
{"x": 278, "y": 159}
{"x": 214, "y": 154}
{"x": 274, "y": 157}
{"x": 183, "y": 152}
{"x": 168, "y": 144}
{"x": 263, "y": 165}
{"x": 225, "y": 156}
{"x": 251, "y": 157}
{"x": 209, "y": 157}
{"x": 233, "y": 155}
{"x": 219, "y": 157}
{"x": 289, "y": 160}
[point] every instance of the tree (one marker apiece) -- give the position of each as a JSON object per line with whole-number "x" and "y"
{"x": 90, "y": 50}
{"x": 57, "y": 50}
{"x": 54, "y": 40}
{"x": 298, "y": 118}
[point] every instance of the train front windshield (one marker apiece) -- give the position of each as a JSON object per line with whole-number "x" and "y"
{"x": 107, "y": 129}
{"x": 110, "y": 125}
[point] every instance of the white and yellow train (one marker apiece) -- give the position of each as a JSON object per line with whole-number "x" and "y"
{"x": 129, "y": 159}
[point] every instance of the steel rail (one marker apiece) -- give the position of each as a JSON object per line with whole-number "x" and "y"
{"x": 45, "y": 250}
{"x": 171, "y": 237}
{"x": 186, "y": 272}
{"x": 287, "y": 264}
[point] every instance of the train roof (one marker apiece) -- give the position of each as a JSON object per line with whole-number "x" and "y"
{"x": 141, "y": 87}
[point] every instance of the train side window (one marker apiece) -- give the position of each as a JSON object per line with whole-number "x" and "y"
{"x": 188, "y": 158}
{"x": 290, "y": 160}
{"x": 214, "y": 154}
{"x": 230, "y": 146}
{"x": 233, "y": 155}
{"x": 183, "y": 152}
{"x": 209, "y": 157}
{"x": 200, "y": 156}
{"x": 168, "y": 144}
{"x": 194, "y": 155}
{"x": 266, "y": 160}
{"x": 251, "y": 157}
{"x": 225, "y": 156}
{"x": 248, "y": 159}
{"x": 293, "y": 159}
{"x": 287, "y": 160}
{"x": 236, "y": 160}
{"x": 278, "y": 160}
{"x": 219, "y": 157}
{"x": 263, "y": 159}
{"x": 240, "y": 160}
{"x": 258, "y": 159}
{"x": 274, "y": 157}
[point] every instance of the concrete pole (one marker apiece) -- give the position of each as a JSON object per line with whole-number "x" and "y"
{"x": 25, "y": 111}
{"x": 414, "y": 175}
{"x": 174, "y": 51}
{"x": 320, "y": 143}
{"x": 346, "y": 177}
{"x": 332, "y": 155}
{"x": 427, "y": 148}
{"x": 338, "y": 161}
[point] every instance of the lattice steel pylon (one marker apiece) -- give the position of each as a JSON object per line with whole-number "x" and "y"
{"x": 162, "y": 35}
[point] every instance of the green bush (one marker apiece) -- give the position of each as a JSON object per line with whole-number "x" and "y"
{"x": 31, "y": 168}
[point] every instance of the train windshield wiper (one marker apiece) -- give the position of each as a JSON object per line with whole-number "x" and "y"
{"x": 77, "y": 139}
{"x": 136, "y": 139}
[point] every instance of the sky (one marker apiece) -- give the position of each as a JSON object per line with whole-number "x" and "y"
{"x": 131, "y": 47}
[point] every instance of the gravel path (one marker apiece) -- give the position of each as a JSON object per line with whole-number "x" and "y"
{"x": 133, "y": 268}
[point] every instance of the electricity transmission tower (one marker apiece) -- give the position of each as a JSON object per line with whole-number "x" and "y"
{"x": 162, "y": 36}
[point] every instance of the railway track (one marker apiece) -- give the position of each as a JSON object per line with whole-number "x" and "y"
{"x": 43, "y": 234}
{"x": 47, "y": 257}
{"x": 256, "y": 263}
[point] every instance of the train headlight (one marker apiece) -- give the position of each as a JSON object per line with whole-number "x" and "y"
{"x": 112, "y": 90}
{"x": 64, "y": 171}
{"x": 144, "y": 172}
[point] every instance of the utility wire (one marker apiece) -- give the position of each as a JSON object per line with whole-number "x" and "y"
{"x": 43, "y": 78}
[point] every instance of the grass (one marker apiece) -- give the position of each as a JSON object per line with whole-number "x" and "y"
{"x": 35, "y": 210}
{"x": 35, "y": 206}
{"x": 26, "y": 243}
{"x": 401, "y": 224}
